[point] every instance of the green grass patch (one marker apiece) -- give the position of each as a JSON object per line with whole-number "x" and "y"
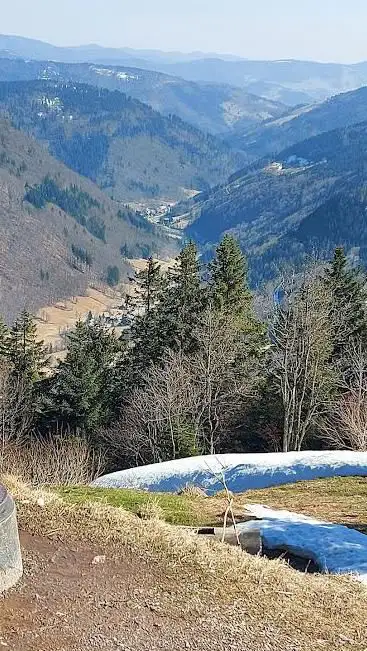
{"x": 176, "y": 509}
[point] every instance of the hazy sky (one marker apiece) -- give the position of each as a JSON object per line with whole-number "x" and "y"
{"x": 328, "y": 30}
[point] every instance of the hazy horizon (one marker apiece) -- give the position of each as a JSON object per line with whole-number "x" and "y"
{"x": 331, "y": 31}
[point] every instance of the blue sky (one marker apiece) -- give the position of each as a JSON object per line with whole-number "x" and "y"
{"x": 328, "y": 30}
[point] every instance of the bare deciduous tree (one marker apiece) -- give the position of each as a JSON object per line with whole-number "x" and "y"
{"x": 190, "y": 403}
{"x": 14, "y": 417}
{"x": 345, "y": 425}
{"x": 301, "y": 351}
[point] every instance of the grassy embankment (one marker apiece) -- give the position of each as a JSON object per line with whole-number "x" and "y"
{"x": 341, "y": 499}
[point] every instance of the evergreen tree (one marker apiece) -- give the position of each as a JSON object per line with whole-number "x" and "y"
{"x": 82, "y": 390}
{"x": 183, "y": 302}
{"x": 28, "y": 360}
{"x": 230, "y": 290}
{"x": 229, "y": 277}
{"x": 147, "y": 332}
{"x": 26, "y": 353}
{"x": 347, "y": 288}
{"x": 149, "y": 285}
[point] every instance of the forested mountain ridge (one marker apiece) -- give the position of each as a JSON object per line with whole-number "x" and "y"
{"x": 338, "y": 112}
{"x": 59, "y": 231}
{"x": 216, "y": 108}
{"x": 276, "y": 207}
{"x": 129, "y": 150}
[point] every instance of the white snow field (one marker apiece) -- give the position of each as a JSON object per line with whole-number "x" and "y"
{"x": 241, "y": 471}
{"x": 335, "y": 549}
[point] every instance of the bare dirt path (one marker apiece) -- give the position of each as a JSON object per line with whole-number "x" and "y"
{"x": 67, "y": 602}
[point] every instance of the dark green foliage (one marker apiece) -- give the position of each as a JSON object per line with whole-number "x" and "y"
{"x": 184, "y": 301}
{"x": 28, "y": 360}
{"x": 229, "y": 277}
{"x": 72, "y": 200}
{"x": 82, "y": 255}
{"x": 148, "y": 330}
{"x": 348, "y": 291}
{"x": 113, "y": 276}
{"x": 81, "y": 392}
{"x": 26, "y": 353}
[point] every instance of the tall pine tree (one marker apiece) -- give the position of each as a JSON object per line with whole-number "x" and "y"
{"x": 28, "y": 361}
{"x": 229, "y": 277}
{"x": 230, "y": 290}
{"x": 183, "y": 302}
{"x": 82, "y": 391}
{"x": 147, "y": 332}
{"x": 347, "y": 289}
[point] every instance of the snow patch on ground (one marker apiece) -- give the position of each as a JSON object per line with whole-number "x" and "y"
{"x": 336, "y": 549}
{"x": 241, "y": 471}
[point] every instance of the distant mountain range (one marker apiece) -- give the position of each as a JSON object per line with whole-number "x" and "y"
{"x": 20, "y": 46}
{"x": 289, "y": 82}
{"x": 288, "y": 182}
{"x": 217, "y": 108}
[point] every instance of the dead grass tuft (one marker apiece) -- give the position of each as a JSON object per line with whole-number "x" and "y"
{"x": 192, "y": 491}
{"x": 151, "y": 510}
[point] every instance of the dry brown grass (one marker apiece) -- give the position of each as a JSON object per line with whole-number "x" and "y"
{"x": 342, "y": 500}
{"x": 60, "y": 460}
{"x": 63, "y": 315}
{"x": 266, "y": 599}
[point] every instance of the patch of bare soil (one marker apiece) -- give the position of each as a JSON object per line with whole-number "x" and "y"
{"x": 76, "y": 598}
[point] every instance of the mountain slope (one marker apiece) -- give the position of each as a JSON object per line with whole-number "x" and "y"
{"x": 129, "y": 150}
{"x": 338, "y": 112}
{"x": 211, "y": 107}
{"x": 58, "y": 231}
{"x": 276, "y": 209}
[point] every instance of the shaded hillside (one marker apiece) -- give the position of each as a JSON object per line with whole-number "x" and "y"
{"x": 216, "y": 108}
{"x": 59, "y": 232}
{"x": 306, "y": 194}
{"x": 129, "y": 150}
{"x": 336, "y": 113}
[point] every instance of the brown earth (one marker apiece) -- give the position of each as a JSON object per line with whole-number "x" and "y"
{"x": 70, "y": 602}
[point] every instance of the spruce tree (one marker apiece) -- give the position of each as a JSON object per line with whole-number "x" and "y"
{"x": 230, "y": 291}
{"x": 147, "y": 332}
{"x": 28, "y": 362}
{"x": 183, "y": 302}
{"x": 82, "y": 391}
{"x": 26, "y": 353}
{"x": 347, "y": 289}
{"x": 149, "y": 285}
{"x": 229, "y": 277}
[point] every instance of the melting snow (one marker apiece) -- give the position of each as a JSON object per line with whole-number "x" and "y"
{"x": 241, "y": 471}
{"x": 335, "y": 548}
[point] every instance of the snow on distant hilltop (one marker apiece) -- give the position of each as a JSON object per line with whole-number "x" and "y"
{"x": 241, "y": 471}
{"x": 336, "y": 549}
